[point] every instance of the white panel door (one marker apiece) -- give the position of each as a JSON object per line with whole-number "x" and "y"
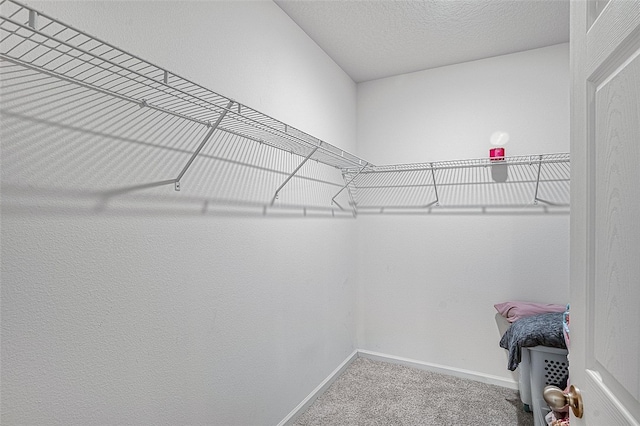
{"x": 604, "y": 355}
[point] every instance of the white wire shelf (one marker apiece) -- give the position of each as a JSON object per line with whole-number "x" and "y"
{"x": 514, "y": 181}
{"x": 470, "y": 163}
{"x": 57, "y": 76}
{"x": 37, "y": 41}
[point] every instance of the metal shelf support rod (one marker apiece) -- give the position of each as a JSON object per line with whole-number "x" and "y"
{"x": 333, "y": 200}
{"x": 435, "y": 187}
{"x": 535, "y": 196}
{"x": 275, "y": 196}
{"x": 202, "y": 144}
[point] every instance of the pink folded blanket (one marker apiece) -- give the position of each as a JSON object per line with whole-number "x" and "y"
{"x": 516, "y": 310}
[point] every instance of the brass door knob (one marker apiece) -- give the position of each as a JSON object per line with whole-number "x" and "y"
{"x": 557, "y": 399}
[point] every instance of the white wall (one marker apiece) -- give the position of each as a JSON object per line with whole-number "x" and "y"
{"x": 174, "y": 317}
{"x": 427, "y": 284}
{"x": 449, "y": 113}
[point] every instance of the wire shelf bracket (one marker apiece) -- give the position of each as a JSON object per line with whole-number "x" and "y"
{"x": 292, "y": 174}
{"x": 435, "y": 188}
{"x": 206, "y": 139}
{"x": 346, "y": 186}
{"x": 535, "y": 196}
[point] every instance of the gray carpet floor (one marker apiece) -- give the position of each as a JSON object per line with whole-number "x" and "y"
{"x": 378, "y": 393}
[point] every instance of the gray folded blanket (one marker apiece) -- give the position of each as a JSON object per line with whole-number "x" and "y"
{"x": 541, "y": 329}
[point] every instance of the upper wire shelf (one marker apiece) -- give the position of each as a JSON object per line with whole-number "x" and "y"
{"x": 194, "y": 116}
{"x": 37, "y": 41}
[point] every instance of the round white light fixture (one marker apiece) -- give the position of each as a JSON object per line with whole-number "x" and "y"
{"x": 499, "y": 138}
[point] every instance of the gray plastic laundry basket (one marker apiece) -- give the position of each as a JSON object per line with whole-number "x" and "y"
{"x": 547, "y": 367}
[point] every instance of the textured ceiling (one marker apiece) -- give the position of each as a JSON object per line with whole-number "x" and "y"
{"x": 373, "y": 39}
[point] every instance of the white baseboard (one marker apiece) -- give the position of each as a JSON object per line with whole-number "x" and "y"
{"x": 442, "y": 369}
{"x": 301, "y": 408}
{"x": 376, "y": 356}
